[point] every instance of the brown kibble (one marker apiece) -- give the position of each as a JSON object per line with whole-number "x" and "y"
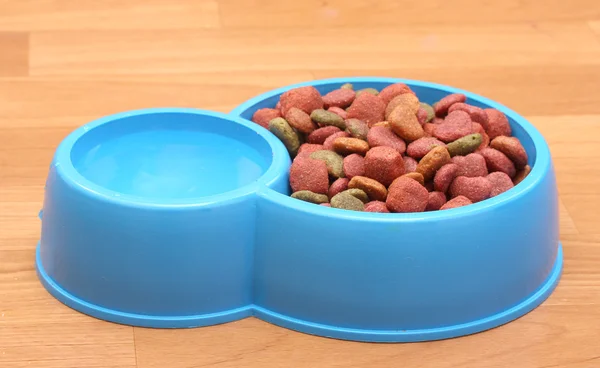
{"x": 382, "y": 136}
{"x": 341, "y": 98}
{"x": 262, "y": 117}
{"x": 376, "y": 206}
{"x": 497, "y": 161}
{"x": 416, "y": 176}
{"x": 320, "y": 135}
{"x": 459, "y": 201}
{"x": 521, "y": 174}
{"x": 497, "y": 124}
{"x": 305, "y": 98}
{"x": 374, "y": 189}
{"x": 406, "y": 195}
{"x": 441, "y": 107}
{"x": 512, "y": 148}
{"x": 328, "y": 144}
{"x": 435, "y": 201}
{"x": 368, "y": 108}
{"x": 428, "y": 129}
{"x": 308, "y": 196}
{"x": 346, "y": 146}
{"x": 408, "y": 100}
{"x": 357, "y": 128}
{"x": 300, "y": 120}
{"x": 433, "y": 161}
{"x": 347, "y": 201}
{"x": 383, "y": 164}
{"x": 405, "y": 124}
{"x": 354, "y": 165}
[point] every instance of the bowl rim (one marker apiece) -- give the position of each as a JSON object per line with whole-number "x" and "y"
{"x": 72, "y": 177}
{"x": 539, "y": 169}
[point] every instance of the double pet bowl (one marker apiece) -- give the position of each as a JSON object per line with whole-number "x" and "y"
{"x": 176, "y": 217}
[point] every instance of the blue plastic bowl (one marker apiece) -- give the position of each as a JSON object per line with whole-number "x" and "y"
{"x": 182, "y": 218}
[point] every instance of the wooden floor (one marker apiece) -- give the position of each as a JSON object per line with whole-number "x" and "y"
{"x": 65, "y": 62}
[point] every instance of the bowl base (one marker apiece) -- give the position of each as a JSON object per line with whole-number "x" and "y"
{"x": 533, "y": 301}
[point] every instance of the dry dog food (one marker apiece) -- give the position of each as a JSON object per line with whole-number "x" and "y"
{"x": 387, "y": 151}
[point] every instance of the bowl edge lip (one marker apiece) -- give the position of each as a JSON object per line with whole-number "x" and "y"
{"x": 75, "y": 180}
{"x": 540, "y": 169}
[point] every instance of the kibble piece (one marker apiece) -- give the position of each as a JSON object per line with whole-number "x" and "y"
{"x": 476, "y": 113}
{"x": 456, "y": 125}
{"x": 459, "y": 201}
{"x": 346, "y": 146}
{"x": 497, "y": 124}
{"x": 376, "y": 206}
{"x": 500, "y": 183}
{"x": 308, "y": 148}
{"x": 485, "y": 140}
{"x": 354, "y": 165}
{"x": 327, "y": 118}
{"x": 465, "y": 145}
{"x": 390, "y": 92}
{"x": 334, "y": 162}
{"x": 338, "y": 186}
{"x": 410, "y": 164}
{"x": 358, "y": 193}
{"x": 406, "y": 195}
{"x": 415, "y": 176}
{"x": 422, "y": 146}
{"x": 497, "y": 161}
{"x": 347, "y": 86}
{"x": 408, "y": 100}
{"x": 308, "y": 196}
{"x": 342, "y": 98}
{"x": 347, "y": 201}
{"x": 300, "y": 120}
{"x": 262, "y": 117}
{"x": 320, "y": 135}
{"x": 433, "y": 161}
{"x": 476, "y": 189}
{"x": 368, "y": 108}
{"x": 357, "y": 128}
{"x": 306, "y": 99}
{"x": 441, "y": 107}
{"x": 471, "y": 165}
{"x": 383, "y": 164}
{"x": 430, "y": 113}
{"x": 444, "y": 177}
{"x": 383, "y": 136}
{"x": 285, "y": 133}
{"x": 435, "y": 201}
{"x": 340, "y": 112}
{"x": 405, "y": 124}
{"x": 512, "y": 148}
{"x": 371, "y": 91}
{"x": 521, "y": 174}
{"x": 374, "y": 189}
{"x": 309, "y": 174}
{"x": 328, "y": 144}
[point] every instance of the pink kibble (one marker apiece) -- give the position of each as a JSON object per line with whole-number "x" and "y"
{"x": 459, "y": 201}
{"x": 471, "y": 165}
{"x": 354, "y": 165}
{"x": 475, "y": 189}
{"x": 376, "y": 206}
{"x": 500, "y": 183}
{"x": 308, "y": 148}
{"x": 444, "y": 177}
{"x": 410, "y": 164}
{"x": 441, "y": 107}
{"x": 263, "y": 116}
{"x": 436, "y": 201}
{"x": 383, "y": 164}
{"x": 328, "y": 144}
{"x": 497, "y": 161}
{"x": 306, "y": 99}
{"x": 320, "y": 135}
{"x": 422, "y": 146}
{"x": 485, "y": 140}
{"x": 497, "y": 124}
{"x": 368, "y": 108}
{"x": 422, "y": 115}
{"x": 407, "y": 195}
{"x": 476, "y": 113}
{"x": 338, "y": 186}
{"x": 383, "y": 136}
{"x": 340, "y": 112}
{"x": 388, "y": 93}
{"x": 309, "y": 174}
{"x": 456, "y": 125}
{"x": 342, "y": 98}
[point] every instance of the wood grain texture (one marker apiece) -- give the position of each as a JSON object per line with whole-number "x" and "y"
{"x": 66, "y": 62}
